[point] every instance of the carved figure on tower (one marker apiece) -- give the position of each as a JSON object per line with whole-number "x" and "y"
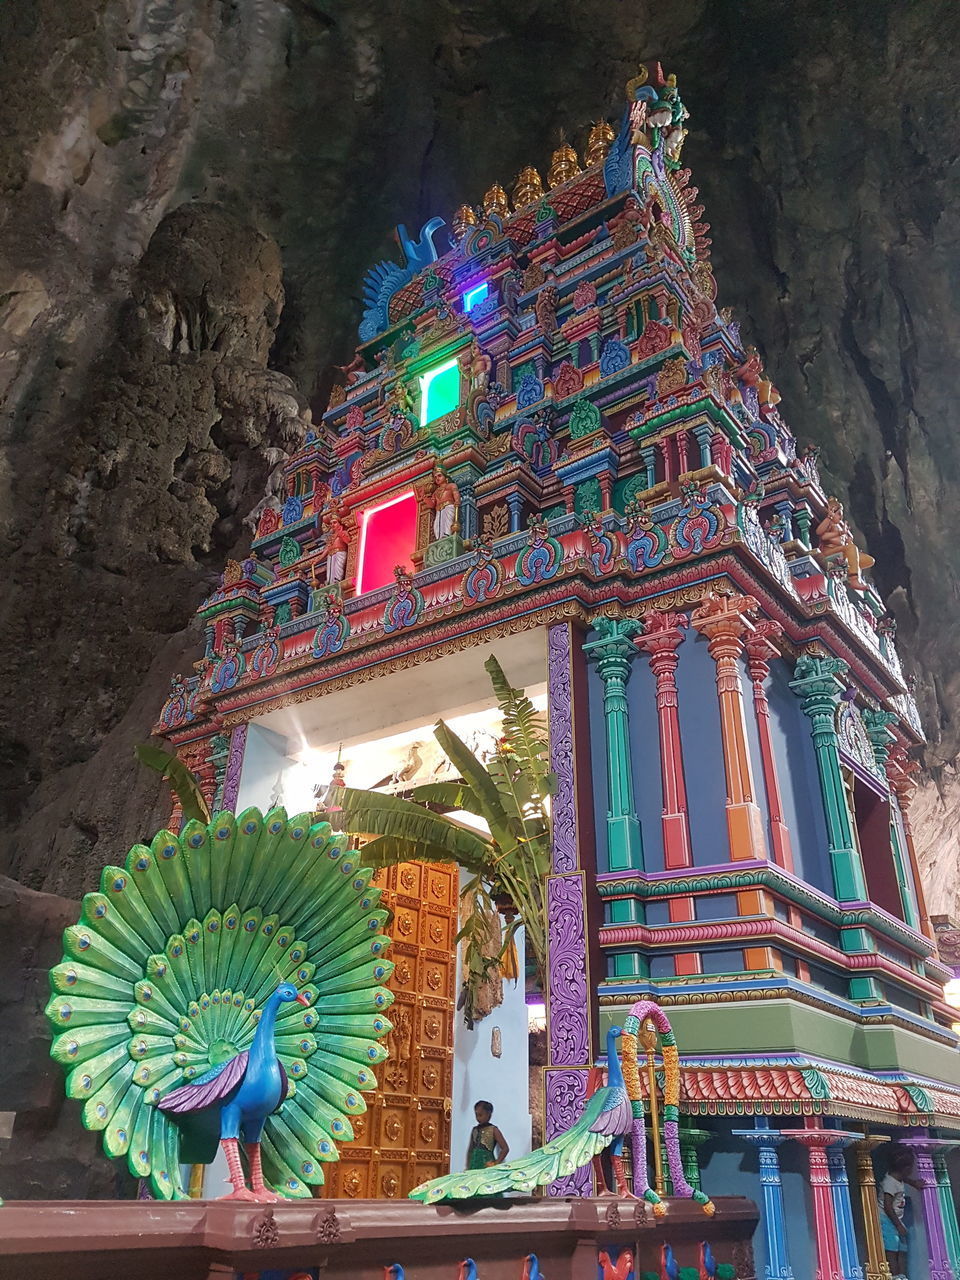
{"x": 836, "y": 539}
{"x": 444, "y": 501}
{"x": 336, "y": 543}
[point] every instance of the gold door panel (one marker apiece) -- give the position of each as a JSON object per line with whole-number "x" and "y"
{"x": 404, "y": 1137}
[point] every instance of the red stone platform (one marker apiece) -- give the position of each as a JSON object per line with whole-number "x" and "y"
{"x": 197, "y": 1239}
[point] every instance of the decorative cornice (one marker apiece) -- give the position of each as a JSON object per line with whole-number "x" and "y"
{"x": 770, "y": 876}
{"x": 684, "y": 936}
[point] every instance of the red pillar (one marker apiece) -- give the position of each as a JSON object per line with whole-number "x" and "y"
{"x": 759, "y": 650}
{"x": 816, "y": 1140}
{"x": 662, "y": 637}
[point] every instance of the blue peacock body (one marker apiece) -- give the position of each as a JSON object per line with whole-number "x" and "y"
{"x": 173, "y": 965}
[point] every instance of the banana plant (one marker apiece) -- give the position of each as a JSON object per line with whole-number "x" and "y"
{"x": 181, "y": 781}
{"x": 506, "y": 864}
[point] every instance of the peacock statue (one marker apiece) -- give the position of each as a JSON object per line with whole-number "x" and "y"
{"x": 606, "y": 1120}
{"x": 611, "y": 1114}
{"x": 226, "y": 983}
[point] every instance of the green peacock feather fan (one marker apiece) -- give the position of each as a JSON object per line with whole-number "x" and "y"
{"x": 168, "y": 967}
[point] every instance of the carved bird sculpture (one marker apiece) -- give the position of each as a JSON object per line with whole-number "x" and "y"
{"x": 238, "y": 1095}
{"x": 618, "y": 1270}
{"x": 607, "y": 1118}
{"x": 202, "y": 960}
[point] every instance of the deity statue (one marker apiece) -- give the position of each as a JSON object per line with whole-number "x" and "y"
{"x": 836, "y": 539}
{"x": 335, "y": 545}
{"x": 444, "y": 501}
{"x": 476, "y": 367}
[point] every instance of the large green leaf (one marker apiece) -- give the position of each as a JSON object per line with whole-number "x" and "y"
{"x": 525, "y": 728}
{"x": 475, "y": 775}
{"x": 182, "y": 782}
{"x": 371, "y": 813}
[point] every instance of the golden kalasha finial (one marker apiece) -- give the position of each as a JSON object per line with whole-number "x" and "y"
{"x": 464, "y": 218}
{"x": 563, "y": 165}
{"x": 598, "y": 143}
{"x": 528, "y": 187}
{"x": 495, "y": 201}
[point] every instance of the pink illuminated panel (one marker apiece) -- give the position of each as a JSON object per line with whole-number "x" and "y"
{"x": 388, "y": 535}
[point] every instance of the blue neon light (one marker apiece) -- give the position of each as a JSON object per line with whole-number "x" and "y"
{"x": 475, "y": 295}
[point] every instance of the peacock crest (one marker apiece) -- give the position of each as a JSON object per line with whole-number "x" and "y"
{"x": 166, "y": 972}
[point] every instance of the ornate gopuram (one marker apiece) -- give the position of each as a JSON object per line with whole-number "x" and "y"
{"x": 553, "y": 445}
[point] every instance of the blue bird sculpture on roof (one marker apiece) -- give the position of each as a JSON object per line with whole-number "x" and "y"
{"x": 384, "y": 279}
{"x": 236, "y": 1097}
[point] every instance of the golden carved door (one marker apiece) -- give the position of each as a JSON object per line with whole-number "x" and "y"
{"x": 404, "y": 1137}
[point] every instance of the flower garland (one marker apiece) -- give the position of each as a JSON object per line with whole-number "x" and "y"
{"x": 639, "y": 1013}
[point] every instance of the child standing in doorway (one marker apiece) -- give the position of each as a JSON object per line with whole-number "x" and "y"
{"x": 487, "y": 1144}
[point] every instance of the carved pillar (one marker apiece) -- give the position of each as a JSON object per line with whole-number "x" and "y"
{"x": 843, "y": 1210}
{"x": 877, "y": 724}
{"x": 704, "y": 435}
{"x": 231, "y": 778}
{"x": 877, "y": 1267}
{"x": 665, "y": 449}
{"x": 469, "y": 524}
{"x": 759, "y": 651}
{"x": 683, "y": 465}
{"x": 515, "y": 507}
{"x": 923, "y": 1149}
{"x": 612, "y": 652}
{"x": 767, "y": 1142}
{"x": 570, "y": 1009}
{"x": 948, "y": 1208}
{"x": 818, "y": 685}
{"x": 663, "y": 635}
{"x": 722, "y": 619}
{"x": 817, "y": 1142}
{"x": 900, "y": 769}
{"x": 648, "y": 457}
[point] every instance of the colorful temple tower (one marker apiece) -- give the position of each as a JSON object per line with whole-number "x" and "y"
{"x": 553, "y": 444}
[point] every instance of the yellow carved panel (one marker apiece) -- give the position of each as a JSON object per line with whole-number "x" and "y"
{"x": 404, "y": 1137}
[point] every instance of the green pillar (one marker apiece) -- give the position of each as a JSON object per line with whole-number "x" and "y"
{"x": 948, "y": 1209}
{"x": 612, "y": 653}
{"x": 877, "y": 725}
{"x": 817, "y": 684}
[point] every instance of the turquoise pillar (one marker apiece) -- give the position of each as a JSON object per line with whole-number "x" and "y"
{"x": 612, "y": 652}
{"x": 774, "y": 1223}
{"x": 948, "y": 1209}
{"x": 843, "y": 1211}
{"x": 817, "y": 684}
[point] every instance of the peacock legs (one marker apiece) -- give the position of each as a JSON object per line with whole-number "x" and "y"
{"x": 257, "y": 1185}
{"x": 621, "y": 1180}
{"x": 231, "y": 1149}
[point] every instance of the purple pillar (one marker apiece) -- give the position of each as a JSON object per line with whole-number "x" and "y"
{"x": 231, "y": 778}
{"x": 923, "y": 1149}
{"x": 570, "y": 1012}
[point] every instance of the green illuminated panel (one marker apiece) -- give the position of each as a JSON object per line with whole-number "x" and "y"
{"x": 440, "y": 392}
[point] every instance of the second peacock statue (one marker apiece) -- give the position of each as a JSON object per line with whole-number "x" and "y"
{"x": 226, "y": 984}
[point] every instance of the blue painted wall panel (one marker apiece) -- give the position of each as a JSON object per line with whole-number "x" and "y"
{"x": 702, "y": 752}
{"x": 799, "y": 782}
